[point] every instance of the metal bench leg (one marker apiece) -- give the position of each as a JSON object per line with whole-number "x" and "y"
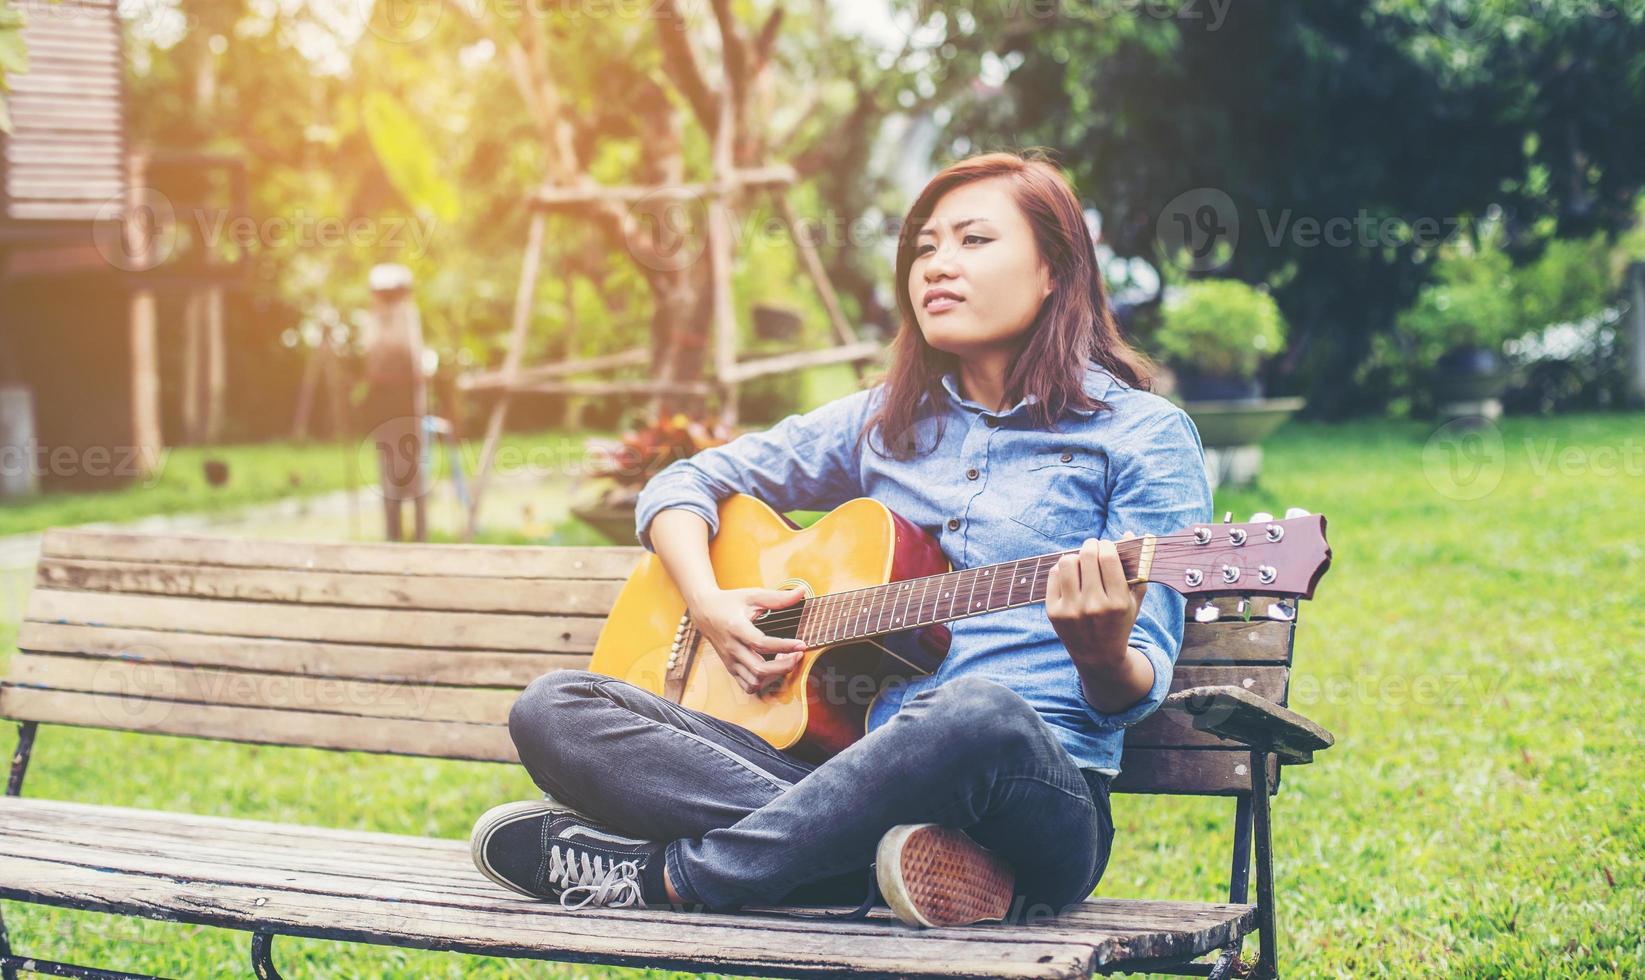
{"x": 1225, "y": 965}
{"x": 20, "y": 758}
{"x": 262, "y": 956}
{"x": 1268, "y": 959}
{"x": 6, "y": 970}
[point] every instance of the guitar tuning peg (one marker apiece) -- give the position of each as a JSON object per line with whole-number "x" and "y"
{"x": 1283, "y": 611}
{"x": 1291, "y": 512}
{"x": 1260, "y": 517}
{"x": 1207, "y": 613}
{"x": 1243, "y": 607}
{"x": 1228, "y": 517}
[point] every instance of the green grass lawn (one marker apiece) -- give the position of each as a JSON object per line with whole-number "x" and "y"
{"x": 264, "y": 473}
{"x": 1475, "y": 648}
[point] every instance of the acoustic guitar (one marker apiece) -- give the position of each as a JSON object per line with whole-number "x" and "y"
{"x": 877, "y": 591}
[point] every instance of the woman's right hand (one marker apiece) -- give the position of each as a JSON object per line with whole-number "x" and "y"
{"x": 725, "y": 617}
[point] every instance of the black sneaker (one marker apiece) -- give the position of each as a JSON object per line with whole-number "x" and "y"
{"x": 546, "y": 850}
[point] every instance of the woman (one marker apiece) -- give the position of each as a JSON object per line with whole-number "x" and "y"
{"x": 1014, "y": 421}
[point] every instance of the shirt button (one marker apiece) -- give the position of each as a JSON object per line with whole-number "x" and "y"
{"x": 953, "y": 523}
{"x": 1067, "y": 457}
{"x": 991, "y": 421}
{"x": 970, "y": 474}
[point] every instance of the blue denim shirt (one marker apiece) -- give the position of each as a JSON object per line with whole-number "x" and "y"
{"x": 1138, "y": 467}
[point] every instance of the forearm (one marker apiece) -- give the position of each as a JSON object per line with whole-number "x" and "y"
{"x": 680, "y": 538}
{"x": 1115, "y": 682}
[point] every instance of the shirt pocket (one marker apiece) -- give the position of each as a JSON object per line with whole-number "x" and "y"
{"x": 1063, "y": 495}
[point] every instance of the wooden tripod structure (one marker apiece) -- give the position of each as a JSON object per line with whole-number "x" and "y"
{"x": 513, "y": 379}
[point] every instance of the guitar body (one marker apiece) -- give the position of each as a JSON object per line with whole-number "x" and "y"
{"x": 822, "y": 705}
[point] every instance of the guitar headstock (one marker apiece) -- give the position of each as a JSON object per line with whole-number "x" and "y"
{"x": 1263, "y": 556}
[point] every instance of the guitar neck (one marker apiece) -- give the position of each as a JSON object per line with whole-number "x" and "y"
{"x": 859, "y": 614}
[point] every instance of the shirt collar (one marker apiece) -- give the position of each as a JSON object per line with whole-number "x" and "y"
{"x": 1097, "y": 383}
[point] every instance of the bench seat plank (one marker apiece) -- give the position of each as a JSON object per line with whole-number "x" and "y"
{"x": 376, "y": 662}
{"x": 425, "y": 893}
{"x": 398, "y": 558}
{"x": 262, "y": 726}
{"x": 347, "y": 624}
{"x": 568, "y": 597}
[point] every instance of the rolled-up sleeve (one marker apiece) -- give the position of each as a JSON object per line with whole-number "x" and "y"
{"x": 804, "y": 462}
{"x": 1160, "y": 488}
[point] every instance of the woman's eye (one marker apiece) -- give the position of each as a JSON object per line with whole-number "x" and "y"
{"x": 922, "y": 249}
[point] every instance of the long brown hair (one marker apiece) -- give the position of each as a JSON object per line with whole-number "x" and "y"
{"x": 1074, "y": 325}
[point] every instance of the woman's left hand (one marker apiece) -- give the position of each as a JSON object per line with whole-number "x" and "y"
{"x": 1090, "y": 605}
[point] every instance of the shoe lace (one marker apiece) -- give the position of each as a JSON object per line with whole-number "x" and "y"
{"x": 606, "y": 881}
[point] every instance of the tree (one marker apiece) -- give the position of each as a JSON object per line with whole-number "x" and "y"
{"x": 1351, "y": 141}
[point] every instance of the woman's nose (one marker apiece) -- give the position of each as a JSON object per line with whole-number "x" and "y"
{"x": 939, "y": 263}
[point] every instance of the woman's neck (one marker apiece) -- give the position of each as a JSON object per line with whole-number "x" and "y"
{"x": 982, "y": 379}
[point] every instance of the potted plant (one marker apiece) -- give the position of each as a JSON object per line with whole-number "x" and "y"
{"x": 1459, "y": 322}
{"x": 1215, "y": 334}
{"x": 623, "y": 467}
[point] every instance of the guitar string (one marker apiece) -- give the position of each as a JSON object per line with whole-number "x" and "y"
{"x": 1163, "y": 560}
{"x": 992, "y": 591}
{"x": 880, "y": 607}
{"x": 1166, "y": 547}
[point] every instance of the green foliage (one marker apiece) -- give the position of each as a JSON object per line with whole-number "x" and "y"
{"x": 1479, "y": 297}
{"x": 1471, "y": 301}
{"x": 407, "y": 156}
{"x": 1398, "y": 111}
{"x": 1220, "y": 327}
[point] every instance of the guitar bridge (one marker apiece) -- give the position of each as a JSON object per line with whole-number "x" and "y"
{"x": 679, "y": 659}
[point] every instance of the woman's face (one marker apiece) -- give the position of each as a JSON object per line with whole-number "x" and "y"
{"x": 977, "y": 245}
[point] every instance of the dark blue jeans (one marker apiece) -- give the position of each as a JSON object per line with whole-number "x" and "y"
{"x": 749, "y": 824}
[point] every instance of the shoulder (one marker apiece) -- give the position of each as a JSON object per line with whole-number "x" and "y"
{"x": 855, "y": 407}
{"x": 1142, "y": 420}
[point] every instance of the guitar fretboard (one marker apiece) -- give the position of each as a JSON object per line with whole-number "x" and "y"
{"x": 861, "y": 613}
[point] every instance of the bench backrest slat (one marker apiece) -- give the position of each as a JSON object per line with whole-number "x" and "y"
{"x": 420, "y": 649}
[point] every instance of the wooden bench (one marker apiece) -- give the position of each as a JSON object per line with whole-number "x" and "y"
{"x": 420, "y": 650}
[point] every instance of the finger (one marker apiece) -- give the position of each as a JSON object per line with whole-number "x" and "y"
{"x": 744, "y": 679}
{"x": 776, "y": 670}
{"x": 1113, "y": 572}
{"x": 778, "y": 598}
{"x": 1090, "y": 572}
{"x": 766, "y": 643}
{"x": 1063, "y": 584}
{"x": 748, "y": 660}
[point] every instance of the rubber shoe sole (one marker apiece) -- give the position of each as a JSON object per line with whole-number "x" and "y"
{"x": 933, "y": 876}
{"x": 503, "y": 814}
{"x": 493, "y": 820}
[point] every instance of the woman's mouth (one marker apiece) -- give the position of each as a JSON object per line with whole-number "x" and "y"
{"x": 942, "y": 304}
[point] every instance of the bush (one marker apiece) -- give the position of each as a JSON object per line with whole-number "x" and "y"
{"x": 1553, "y": 318}
{"x": 1220, "y": 328}
{"x": 1470, "y": 302}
